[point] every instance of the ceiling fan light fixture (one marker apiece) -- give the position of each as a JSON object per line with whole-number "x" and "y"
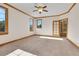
{"x": 40, "y": 8}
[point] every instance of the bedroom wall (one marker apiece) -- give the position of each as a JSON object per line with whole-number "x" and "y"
{"x": 46, "y": 27}
{"x": 73, "y": 22}
{"x": 18, "y": 26}
{"x": 73, "y": 27}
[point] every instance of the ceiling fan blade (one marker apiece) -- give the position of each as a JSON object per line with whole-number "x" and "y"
{"x": 35, "y": 10}
{"x": 45, "y": 10}
{"x": 36, "y": 6}
{"x": 44, "y": 6}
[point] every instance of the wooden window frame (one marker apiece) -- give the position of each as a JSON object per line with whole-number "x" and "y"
{"x": 32, "y": 25}
{"x": 37, "y": 23}
{"x": 6, "y": 21}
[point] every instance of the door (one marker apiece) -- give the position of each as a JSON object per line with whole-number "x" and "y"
{"x": 63, "y": 27}
{"x": 60, "y": 27}
{"x": 56, "y": 28}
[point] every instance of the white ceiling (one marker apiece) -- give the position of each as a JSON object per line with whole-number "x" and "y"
{"x": 53, "y": 8}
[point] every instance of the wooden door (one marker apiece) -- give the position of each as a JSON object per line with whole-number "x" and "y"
{"x": 60, "y": 27}
{"x": 56, "y": 28}
{"x": 63, "y": 27}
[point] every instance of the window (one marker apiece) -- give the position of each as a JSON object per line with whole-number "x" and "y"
{"x": 3, "y": 20}
{"x": 39, "y": 23}
{"x": 31, "y": 22}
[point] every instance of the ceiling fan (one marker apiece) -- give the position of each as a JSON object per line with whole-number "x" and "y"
{"x": 40, "y": 8}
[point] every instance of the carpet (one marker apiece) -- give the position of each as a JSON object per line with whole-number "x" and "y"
{"x": 20, "y": 52}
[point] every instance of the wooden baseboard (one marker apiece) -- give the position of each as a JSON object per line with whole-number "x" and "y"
{"x": 73, "y": 43}
{"x": 59, "y": 37}
{"x": 16, "y": 40}
{"x": 36, "y": 35}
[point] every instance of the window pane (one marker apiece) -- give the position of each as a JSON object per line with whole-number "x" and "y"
{"x": 39, "y": 23}
{"x": 31, "y": 25}
{"x": 2, "y": 16}
{"x": 2, "y": 19}
{"x": 2, "y": 10}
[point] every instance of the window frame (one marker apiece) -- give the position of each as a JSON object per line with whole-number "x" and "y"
{"x": 37, "y": 23}
{"x": 31, "y": 25}
{"x": 6, "y": 21}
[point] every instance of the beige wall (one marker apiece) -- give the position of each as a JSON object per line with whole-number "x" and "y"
{"x": 18, "y": 26}
{"x": 73, "y": 25}
{"x": 46, "y": 27}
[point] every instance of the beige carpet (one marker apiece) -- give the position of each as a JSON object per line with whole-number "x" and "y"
{"x": 42, "y": 46}
{"x": 19, "y": 52}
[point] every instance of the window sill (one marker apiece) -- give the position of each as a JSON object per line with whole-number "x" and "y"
{"x": 3, "y": 33}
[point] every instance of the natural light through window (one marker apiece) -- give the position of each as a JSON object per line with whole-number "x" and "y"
{"x": 39, "y": 23}
{"x": 31, "y": 24}
{"x": 2, "y": 19}
{"x": 53, "y": 38}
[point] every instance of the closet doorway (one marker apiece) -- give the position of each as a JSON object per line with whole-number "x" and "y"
{"x": 60, "y": 27}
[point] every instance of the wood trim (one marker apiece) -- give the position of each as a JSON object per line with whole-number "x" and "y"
{"x": 71, "y": 7}
{"x": 59, "y": 27}
{"x": 35, "y": 35}
{"x": 6, "y": 21}
{"x": 59, "y": 14}
{"x": 32, "y": 25}
{"x": 53, "y": 28}
{"x": 42, "y": 16}
{"x": 67, "y": 26}
{"x": 37, "y": 23}
{"x": 58, "y": 37}
{"x": 73, "y": 43}
{"x": 19, "y": 10}
{"x": 2, "y": 33}
{"x": 16, "y": 40}
{"x": 57, "y": 21}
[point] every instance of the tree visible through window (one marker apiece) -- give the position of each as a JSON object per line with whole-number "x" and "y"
{"x": 39, "y": 23}
{"x": 3, "y": 20}
{"x": 31, "y": 24}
